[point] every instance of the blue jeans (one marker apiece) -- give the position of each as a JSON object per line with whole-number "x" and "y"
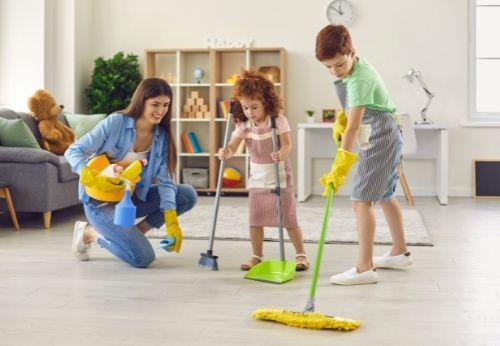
{"x": 131, "y": 245}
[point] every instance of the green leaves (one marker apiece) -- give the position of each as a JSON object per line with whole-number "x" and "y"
{"x": 113, "y": 83}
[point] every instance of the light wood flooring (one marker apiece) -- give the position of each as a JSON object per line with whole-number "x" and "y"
{"x": 451, "y": 296}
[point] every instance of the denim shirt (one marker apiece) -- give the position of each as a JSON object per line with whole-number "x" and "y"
{"x": 114, "y": 136}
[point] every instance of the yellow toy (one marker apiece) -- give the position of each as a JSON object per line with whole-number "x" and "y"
{"x": 232, "y": 79}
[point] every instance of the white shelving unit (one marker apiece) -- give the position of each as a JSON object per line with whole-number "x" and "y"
{"x": 176, "y": 66}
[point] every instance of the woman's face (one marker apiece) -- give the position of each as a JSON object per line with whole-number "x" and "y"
{"x": 155, "y": 109}
{"x": 340, "y": 65}
{"x": 253, "y": 109}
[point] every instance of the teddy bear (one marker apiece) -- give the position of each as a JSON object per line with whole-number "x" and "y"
{"x": 56, "y": 137}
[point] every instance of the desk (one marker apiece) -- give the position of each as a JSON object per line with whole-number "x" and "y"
{"x": 315, "y": 141}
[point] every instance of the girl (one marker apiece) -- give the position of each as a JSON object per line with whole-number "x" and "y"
{"x": 256, "y": 102}
{"x": 371, "y": 122}
{"x": 141, "y": 131}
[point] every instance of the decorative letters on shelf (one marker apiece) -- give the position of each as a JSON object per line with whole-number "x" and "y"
{"x": 218, "y": 42}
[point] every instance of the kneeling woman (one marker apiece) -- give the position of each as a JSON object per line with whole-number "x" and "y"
{"x": 141, "y": 131}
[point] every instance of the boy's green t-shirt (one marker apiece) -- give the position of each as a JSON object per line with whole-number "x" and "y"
{"x": 366, "y": 88}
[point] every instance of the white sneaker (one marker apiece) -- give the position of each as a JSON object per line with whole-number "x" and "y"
{"x": 388, "y": 261}
{"x": 352, "y": 277}
{"x": 79, "y": 247}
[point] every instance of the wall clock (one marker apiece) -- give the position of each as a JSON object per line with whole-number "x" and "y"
{"x": 340, "y": 12}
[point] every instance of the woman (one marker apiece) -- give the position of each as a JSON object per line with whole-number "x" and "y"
{"x": 141, "y": 131}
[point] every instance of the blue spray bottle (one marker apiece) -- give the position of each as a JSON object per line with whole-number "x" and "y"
{"x": 125, "y": 211}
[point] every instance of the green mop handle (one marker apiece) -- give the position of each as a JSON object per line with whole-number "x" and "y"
{"x": 319, "y": 254}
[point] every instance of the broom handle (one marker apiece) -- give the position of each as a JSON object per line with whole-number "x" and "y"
{"x": 319, "y": 254}
{"x": 278, "y": 189}
{"x": 219, "y": 179}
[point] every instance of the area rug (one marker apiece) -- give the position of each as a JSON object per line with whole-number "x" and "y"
{"x": 232, "y": 224}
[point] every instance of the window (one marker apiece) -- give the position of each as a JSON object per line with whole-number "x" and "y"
{"x": 484, "y": 63}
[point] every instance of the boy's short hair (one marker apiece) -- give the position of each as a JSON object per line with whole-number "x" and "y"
{"x": 332, "y": 40}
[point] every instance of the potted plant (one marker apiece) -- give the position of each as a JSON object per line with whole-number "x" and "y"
{"x": 310, "y": 116}
{"x": 113, "y": 83}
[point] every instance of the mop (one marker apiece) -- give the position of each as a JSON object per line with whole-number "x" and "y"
{"x": 208, "y": 260}
{"x": 274, "y": 271}
{"x": 308, "y": 318}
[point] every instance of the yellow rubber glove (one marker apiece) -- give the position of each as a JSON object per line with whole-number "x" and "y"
{"x": 90, "y": 178}
{"x": 173, "y": 229}
{"x": 339, "y": 127}
{"x": 340, "y": 168}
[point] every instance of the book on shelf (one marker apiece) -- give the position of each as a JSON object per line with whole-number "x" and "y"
{"x": 194, "y": 142}
{"x": 188, "y": 148}
{"x": 218, "y": 107}
{"x": 224, "y": 107}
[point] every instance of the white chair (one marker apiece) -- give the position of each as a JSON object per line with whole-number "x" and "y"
{"x": 409, "y": 148}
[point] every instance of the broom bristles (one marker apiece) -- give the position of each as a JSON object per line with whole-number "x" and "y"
{"x": 310, "y": 320}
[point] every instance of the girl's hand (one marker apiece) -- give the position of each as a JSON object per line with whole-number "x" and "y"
{"x": 278, "y": 156}
{"x": 225, "y": 154}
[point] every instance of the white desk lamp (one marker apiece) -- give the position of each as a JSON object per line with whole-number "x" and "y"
{"x": 410, "y": 76}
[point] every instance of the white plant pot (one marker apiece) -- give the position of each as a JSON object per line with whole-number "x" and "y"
{"x": 310, "y": 120}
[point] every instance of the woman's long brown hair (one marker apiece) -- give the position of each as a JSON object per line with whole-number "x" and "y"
{"x": 149, "y": 88}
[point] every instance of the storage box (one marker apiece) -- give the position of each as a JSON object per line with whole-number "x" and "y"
{"x": 196, "y": 177}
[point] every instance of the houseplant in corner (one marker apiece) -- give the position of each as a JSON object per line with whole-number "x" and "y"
{"x": 113, "y": 83}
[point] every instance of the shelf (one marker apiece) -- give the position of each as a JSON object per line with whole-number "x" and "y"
{"x": 195, "y": 105}
{"x": 194, "y": 154}
{"x": 193, "y": 85}
{"x": 191, "y": 120}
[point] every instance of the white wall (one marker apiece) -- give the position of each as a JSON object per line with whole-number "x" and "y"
{"x": 22, "y": 55}
{"x": 393, "y": 35}
{"x": 60, "y": 52}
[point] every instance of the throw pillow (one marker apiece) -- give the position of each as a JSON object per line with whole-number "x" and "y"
{"x": 15, "y": 133}
{"x": 83, "y": 123}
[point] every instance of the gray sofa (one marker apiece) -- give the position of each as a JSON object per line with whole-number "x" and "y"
{"x": 41, "y": 181}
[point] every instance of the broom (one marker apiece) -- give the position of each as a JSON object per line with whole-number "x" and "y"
{"x": 308, "y": 318}
{"x": 208, "y": 260}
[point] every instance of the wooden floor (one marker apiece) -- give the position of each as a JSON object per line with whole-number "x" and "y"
{"x": 451, "y": 296}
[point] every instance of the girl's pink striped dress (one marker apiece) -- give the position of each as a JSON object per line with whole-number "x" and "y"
{"x": 262, "y": 201}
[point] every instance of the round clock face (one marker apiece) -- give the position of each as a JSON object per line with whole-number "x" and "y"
{"x": 340, "y": 12}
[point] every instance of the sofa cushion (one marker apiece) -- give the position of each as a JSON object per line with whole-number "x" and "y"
{"x": 15, "y": 133}
{"x": 32, "y": 124}
{"x": 82, "y": 123}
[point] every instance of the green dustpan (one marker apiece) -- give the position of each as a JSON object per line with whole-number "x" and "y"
{"x": 273, "y": 271}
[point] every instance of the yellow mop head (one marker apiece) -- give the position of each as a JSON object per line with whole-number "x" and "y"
{"x": 311, "y": 320}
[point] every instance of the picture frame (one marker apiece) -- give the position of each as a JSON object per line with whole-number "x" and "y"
{"x": 328, "y": 115}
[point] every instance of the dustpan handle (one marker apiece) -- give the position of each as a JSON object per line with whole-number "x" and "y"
{"x": 278, "y": 188}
